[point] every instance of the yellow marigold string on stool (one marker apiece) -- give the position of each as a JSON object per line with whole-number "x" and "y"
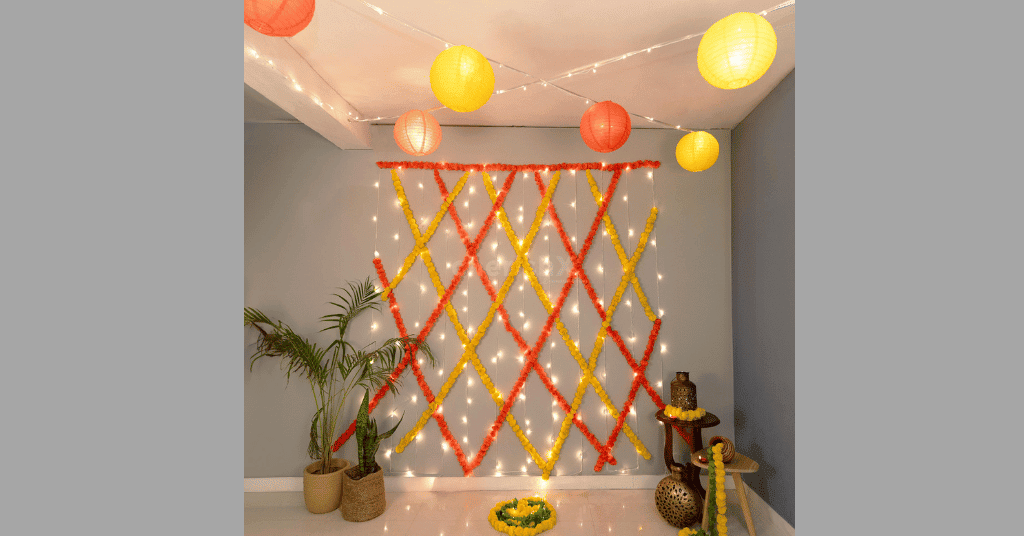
{"x": 522, "y": 517}
{"x": 716, "y": 498}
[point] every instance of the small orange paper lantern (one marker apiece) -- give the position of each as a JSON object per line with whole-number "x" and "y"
{"x": 605, "y": 127}
{"x": 417, "y": 133}
{"x": 278, "y": 18}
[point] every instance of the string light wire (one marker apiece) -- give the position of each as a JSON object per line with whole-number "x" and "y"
{"x": 567, "y": 74}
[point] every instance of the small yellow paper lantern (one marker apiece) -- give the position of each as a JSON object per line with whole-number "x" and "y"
{"x": 462, "y": 79}
{"x": 736, "y": 50}
{"x": 697, "y": 151}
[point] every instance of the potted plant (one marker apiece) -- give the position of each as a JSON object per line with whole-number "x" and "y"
{"x": 363, "y": 484}
{"x": 333, "y": 372}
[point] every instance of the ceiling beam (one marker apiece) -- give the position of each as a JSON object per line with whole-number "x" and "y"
{"x": 316, "y": 104}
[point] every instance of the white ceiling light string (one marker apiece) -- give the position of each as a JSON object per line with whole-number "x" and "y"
{"x": 568, "y": 74}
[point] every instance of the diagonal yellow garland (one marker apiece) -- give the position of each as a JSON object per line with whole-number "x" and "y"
{"x": 619, "y": 251}
{"x": 588, "y": 368}
{"x": 548, "y": 466}
{"x": 469, "y": 352}
{"x": 421, "y": 241}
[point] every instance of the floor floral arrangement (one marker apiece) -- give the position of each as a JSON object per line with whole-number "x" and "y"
{"x": 716, "y": 500}
{"x": 522, "y": 517}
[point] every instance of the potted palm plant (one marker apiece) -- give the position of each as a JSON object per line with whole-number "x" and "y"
{"x": 333, "y": 372}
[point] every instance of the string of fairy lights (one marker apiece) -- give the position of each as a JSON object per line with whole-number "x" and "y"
{"x": 545, "y": 82}
{"x": 502, "y": 464}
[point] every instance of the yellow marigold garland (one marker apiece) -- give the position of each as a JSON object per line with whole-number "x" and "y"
{"x": 716, "y": 502}
{"x": 469, "y": 354}
{"x": 522, "y": 517}
{"x": 678, "y": 413}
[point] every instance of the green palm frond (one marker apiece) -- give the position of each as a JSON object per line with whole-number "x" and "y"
{"x": 359, "y": 297}
{"x": 335, "y": 370}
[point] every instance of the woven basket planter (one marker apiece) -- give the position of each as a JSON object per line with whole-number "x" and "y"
{"x": 322, "y": 493}
{"x": 363, "y": 499}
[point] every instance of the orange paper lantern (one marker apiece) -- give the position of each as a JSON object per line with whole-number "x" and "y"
{"x": 278, "y": 18}
{"x": 605, "y": 127}
{"x": 417, "y": 133}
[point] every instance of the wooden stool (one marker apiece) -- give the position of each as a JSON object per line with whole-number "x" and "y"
{"x": 739, "y": 464}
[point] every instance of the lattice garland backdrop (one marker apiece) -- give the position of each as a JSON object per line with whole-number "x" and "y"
{"x": 537, "y": 287}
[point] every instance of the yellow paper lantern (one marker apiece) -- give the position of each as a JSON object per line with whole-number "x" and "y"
{"x": 697, "y": 151}
{"x": 462, "y": 79}
{"x": 736, "y": 50}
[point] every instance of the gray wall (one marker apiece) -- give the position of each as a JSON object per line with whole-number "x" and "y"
{"x": 763, "y": 181}
{"x": 309, "y": 227}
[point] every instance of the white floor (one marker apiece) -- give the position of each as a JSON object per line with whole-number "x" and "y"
{"x": 421, "y": 513}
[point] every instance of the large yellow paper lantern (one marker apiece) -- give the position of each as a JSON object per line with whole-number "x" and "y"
{"x": 697, "y": 151}
{"x": 462, "y": 79}
{"x": 736, "y": 50}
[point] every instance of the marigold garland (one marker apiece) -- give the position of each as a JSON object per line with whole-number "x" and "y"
{"x": 522, "y": 517}
{"x": 521, "y": 264}
{"x": 716, "y": 501}
{"x": 553, "y": 315}
{"x": 684, "y": 415}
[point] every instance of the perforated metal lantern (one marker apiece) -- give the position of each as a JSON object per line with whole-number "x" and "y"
{"x": 279, "y": 18}
{"x": 678, "y": 502}
{"x": 736, "y": 50}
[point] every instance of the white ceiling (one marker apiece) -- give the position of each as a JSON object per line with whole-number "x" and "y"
{"x": 360, "y": 63}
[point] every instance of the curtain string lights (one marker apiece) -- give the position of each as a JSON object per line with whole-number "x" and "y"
{"x": 522, "y": 248}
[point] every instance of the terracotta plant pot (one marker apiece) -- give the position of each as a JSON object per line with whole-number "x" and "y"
{"x": 363, "y": 499}
{"x": 323, "y": 492}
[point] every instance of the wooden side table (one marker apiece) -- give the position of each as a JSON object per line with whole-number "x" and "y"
{"x": 738, "y": 465}
{"x": 689, "y": 472}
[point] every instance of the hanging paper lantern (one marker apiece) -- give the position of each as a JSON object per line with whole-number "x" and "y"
{"x": 736, "y": 50}
{"x": 697, "y": 151}
{"x": 278, "y": 18}
{"x": 417, "y": 133}
{"x": 605, "y": 127}
{"x": 462, "y": 79}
